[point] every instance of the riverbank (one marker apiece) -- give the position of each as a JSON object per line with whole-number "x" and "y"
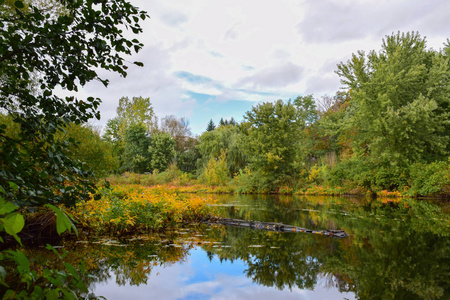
{"x": 184, "y": 183}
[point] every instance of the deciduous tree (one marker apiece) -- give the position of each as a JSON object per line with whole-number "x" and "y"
{"x": 273, "y": 136}
{"x": 400, "y": 100}
{"x": 65, "y": 51}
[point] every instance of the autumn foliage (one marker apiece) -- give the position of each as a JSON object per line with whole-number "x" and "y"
{"x": 125, "y": 208}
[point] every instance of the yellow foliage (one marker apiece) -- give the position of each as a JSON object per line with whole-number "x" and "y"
{"x": 126, "y": 207}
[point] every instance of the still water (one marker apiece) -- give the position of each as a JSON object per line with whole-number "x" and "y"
{"x": 395, "y": 250}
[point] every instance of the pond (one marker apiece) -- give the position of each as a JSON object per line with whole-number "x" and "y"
{"x": 395, "y": 250}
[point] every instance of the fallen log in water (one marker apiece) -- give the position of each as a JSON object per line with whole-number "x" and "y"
{"x": 270, "y": 226}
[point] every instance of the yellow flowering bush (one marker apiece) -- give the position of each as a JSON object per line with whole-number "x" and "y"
{"x": 129, "y": 207}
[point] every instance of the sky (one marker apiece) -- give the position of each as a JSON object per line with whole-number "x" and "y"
{"x": 209, "y": 59}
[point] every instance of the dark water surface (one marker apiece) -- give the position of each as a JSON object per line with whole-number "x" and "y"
{"x": 393, "y": 251}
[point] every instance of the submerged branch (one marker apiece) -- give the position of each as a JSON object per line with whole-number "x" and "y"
{"x": 270, "y": 226}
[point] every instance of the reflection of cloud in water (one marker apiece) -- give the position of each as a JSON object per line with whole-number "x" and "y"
{"x": 198, "y": 278}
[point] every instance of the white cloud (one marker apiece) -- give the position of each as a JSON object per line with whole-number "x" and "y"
{"x": 278, "y": 76}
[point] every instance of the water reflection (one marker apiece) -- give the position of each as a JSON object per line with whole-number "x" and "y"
{"x": 395, "y": 251}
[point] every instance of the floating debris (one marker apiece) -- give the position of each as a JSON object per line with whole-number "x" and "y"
{"x": 279, "y": 227}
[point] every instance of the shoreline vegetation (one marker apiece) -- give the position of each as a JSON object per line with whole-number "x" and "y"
{"x": 175, "y": 180}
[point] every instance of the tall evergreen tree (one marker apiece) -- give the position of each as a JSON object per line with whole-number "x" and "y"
{"x": 211, "y": 126}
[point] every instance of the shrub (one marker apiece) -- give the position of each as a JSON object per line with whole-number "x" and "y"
{"x": 216, "y": 171}
{"x": 427, "y": 179}
{"x": 125, "y": 208}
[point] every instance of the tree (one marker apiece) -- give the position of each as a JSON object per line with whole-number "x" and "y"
{"x": 42, "y": 50}
{"x": 178, "y": 128}
{"x": 216, "y": 171}
{"x": 211, "y": 126}
{"x": 400, "y": 103}
{"x": 136, "y": 156}
{"x": 65, "y": 51}
{"x": 90, "y": 149}
{"x": 273, "y": 135}
{"x": 223, "y": 138}
{"x": 162, "y": 151}
{"x": 138, "y": 110}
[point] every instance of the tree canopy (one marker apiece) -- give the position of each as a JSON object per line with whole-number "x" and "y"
{"x": 400, "y": 100}
{"x": 39, "y": 52}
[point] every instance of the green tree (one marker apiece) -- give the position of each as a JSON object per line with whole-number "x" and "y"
{"x": 162, "y": 151}
{"x": 187, "y": 158}
{"x": 216, "y": 171}
{"x": 273, "y": 140}
{"x": 138, "y": 110}
{"x": 136, "y": 156}
{"x": 211, "y": 126}
{"x": 229, "y": 138}
{"x": 40, "y": 51}
{"x": 89, "y": 148}
{"x": 65, "y": 51}
{"x": 400, "y": 100}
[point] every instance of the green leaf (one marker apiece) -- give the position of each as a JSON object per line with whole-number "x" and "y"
{"x": 13, "y": 223}
{"x": 2, "y": 273}
{"x": 63, "y": 222}
{"x": 23, "y": 264}
{"x": 13, "y": 185}
{"x": 72, "y": 271}
{"x": 6, "y": 207}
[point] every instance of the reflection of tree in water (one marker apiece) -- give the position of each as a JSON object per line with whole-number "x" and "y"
{"x": 131, "y": 261}
{"x": 282, "y": 260}
{"x": 398, "y": 251}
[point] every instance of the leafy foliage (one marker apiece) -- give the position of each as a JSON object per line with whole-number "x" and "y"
{"x": 64, "y": 51}
{"x": 89, "y": 148}
{"x": 216, "y": 171}
{"x": 400, "y": 100}
{"x": 127, "y": 208}
{"x": 272, "y": 139}
{"x": 224, "y": 138}
{"x": 136, "y": 149}
{"x": 162, "y": 151}
{"x": 42, "y": 50}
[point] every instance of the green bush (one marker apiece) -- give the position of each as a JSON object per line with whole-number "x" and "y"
{"x": 216, "y": 171}
{"x": 388, "y": 177}
{"x": 350, "y": 172}
{"x": 428, "y": 179}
